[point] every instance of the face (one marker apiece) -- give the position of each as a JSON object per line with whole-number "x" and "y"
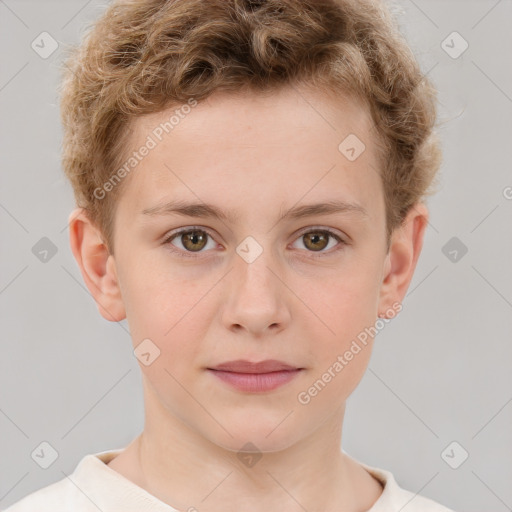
{"x": 253, "y": 283}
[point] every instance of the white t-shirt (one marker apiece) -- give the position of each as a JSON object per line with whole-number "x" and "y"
{"x": 94, "y": 486}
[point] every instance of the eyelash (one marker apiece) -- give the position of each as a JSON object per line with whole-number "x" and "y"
{"x": 191, "y": 254}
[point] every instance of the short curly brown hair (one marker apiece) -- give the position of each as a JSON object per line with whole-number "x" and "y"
{"x": 143, "y": 56}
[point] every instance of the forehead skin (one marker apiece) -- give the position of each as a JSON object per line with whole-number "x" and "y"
{"x": 257, "y": 155}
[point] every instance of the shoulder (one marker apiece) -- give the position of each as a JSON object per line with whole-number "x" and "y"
{"x": 402, "y": 499}
{"x": 60, "y": 496}
{"x": 394, "y": 497}
{"x": 411, "y": 502}
{"x": 84, "y": 490}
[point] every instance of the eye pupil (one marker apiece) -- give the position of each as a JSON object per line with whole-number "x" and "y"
{"x": 315, "y": 239}
{"x": 195, "y": 239}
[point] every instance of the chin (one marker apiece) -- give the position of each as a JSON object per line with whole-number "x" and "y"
{"x": 266, "y": 435}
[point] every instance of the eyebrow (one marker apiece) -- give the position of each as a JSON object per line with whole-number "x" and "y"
{"x": 205, "y": 210}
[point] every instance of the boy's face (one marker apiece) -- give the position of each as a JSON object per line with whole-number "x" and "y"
{"x": 253, "y": 287}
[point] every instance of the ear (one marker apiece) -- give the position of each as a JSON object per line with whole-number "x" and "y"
{"x": 96, "y": 264}
{"x": 403, "y": 254}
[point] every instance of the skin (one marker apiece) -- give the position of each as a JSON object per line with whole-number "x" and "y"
{"x": 256, "y": 155}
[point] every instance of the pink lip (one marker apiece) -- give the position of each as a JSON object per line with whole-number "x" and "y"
{"x": 255, "y": 377}
{"x": 242, "y": 366}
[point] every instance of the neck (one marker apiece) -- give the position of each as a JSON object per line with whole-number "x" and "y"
{"x": 183, "y": 469}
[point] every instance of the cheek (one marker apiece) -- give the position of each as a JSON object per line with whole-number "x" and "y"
{"x": 156, "y": 294}
{"x": 342, "y": 345}
{"x": 175, "y": 313}
{"x": 346, "y": 312}
{"x": 344, "y": 304}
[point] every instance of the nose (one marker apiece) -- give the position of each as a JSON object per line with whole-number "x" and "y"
{"x": 258, "y": 296}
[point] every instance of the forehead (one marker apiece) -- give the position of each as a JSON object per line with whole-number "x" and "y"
{"x": 286, "y": 116}
{"x": 252, "y": 150}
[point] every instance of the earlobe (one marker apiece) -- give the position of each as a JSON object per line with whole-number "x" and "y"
{"x": 96, "y": 264}
{"x": 405, "y": 249}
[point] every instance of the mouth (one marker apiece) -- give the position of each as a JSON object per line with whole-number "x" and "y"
{"x": 257, "y": 377}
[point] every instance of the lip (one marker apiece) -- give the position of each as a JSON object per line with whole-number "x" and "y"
{"x": 243, "y": 366}
{"x": 255, "y": 377}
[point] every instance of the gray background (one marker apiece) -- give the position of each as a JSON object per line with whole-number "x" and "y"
{"x": 440, "y": 372}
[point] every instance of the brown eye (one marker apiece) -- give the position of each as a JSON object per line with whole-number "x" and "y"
{"x": 316, "y": 240}
{"x": 188, "y": 242}
{"x": 323, "y": 242}
{"x": 194, "y": 240}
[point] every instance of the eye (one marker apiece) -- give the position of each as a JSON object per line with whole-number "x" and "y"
{"x": 192, "y": 240}
{"x": 317, "y": 239}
